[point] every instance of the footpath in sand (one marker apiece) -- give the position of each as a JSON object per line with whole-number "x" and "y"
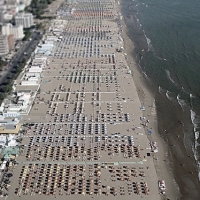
{"x": 84, "y": 136}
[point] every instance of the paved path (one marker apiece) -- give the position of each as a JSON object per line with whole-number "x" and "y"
{"x": 80, "y": 162}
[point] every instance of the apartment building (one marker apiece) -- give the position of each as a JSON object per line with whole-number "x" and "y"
{"x": 4, "y": 49}
{"x": 17, "y": 31}
{"x": 24, "y": 19}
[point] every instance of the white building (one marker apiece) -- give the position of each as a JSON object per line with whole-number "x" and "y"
{"x": 32, "y": 74}
{"x": 21, "y": 7}
{"x": 26, "y": 2}
{"x": 29, "y": 82}
{"x": 39, "y": 61}
{"x": 12, "y": 2}
{"x": 3, "y": 45}
{"x": 3, "y": 140}
{"x": 2, "y": 11}
{"x": 35, "y": 69}
{"x": 7, "y": 17}
{"x": 17, "y": 31}
{"x": 24, "y": 19}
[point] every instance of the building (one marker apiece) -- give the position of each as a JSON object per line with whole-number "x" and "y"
{"x": 3, "y": 140}
{"x": 24, "y": 19}
{"x": 35, "y": 69}
{"x": 21, "y": 7}
{"x": 26, "y": 2}
{"x": 12, "y": 2}
{"x": 8, "y": 123}
{"x": 3, "y": 45}
{"x": 1, "y": 15}
{"x": 11, "y": 42}
{"x": 17, "y": 31}
{"x": 11, "y": 11}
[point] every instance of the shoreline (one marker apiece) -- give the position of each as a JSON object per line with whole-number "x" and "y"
{"x": 184, "y": 163}
{"x": 187, "y": 185}
{"x": 163, "y": 166}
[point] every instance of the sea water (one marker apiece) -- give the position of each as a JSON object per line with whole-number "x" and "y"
{"x": 166, "y": 34}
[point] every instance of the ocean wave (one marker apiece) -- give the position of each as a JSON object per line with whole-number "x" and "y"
{"x": 168, "y": 96}
{"x": 196, "y": 134}
{"x": 144, "y": 4}
{"x": 196, "y": 157}
{"x": 149, "y": 44}
{"x": 181, "y": 102}
{"x": 138, "y": 21}
{"x": 196, "y": 144}
{"x": 192, "y": 96}
{"x": 195, "y": 119}
{"x": 160, "y": 58}
{"x": 160, "y": 89}
{"x": 169, "y": 76}
{"x": 145, "y": 75}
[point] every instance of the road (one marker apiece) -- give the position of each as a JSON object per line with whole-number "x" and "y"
{"x": 79, "y": 162}
{"x": 28, "y": 47}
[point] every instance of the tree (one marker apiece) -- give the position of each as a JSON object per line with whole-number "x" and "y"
{"x": 2, "y": 62}
{"x": 27, "y": 33}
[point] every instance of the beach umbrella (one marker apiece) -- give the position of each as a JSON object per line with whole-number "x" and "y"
{"x": 108, "y": 187}
{"x": 83, "y": 193}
